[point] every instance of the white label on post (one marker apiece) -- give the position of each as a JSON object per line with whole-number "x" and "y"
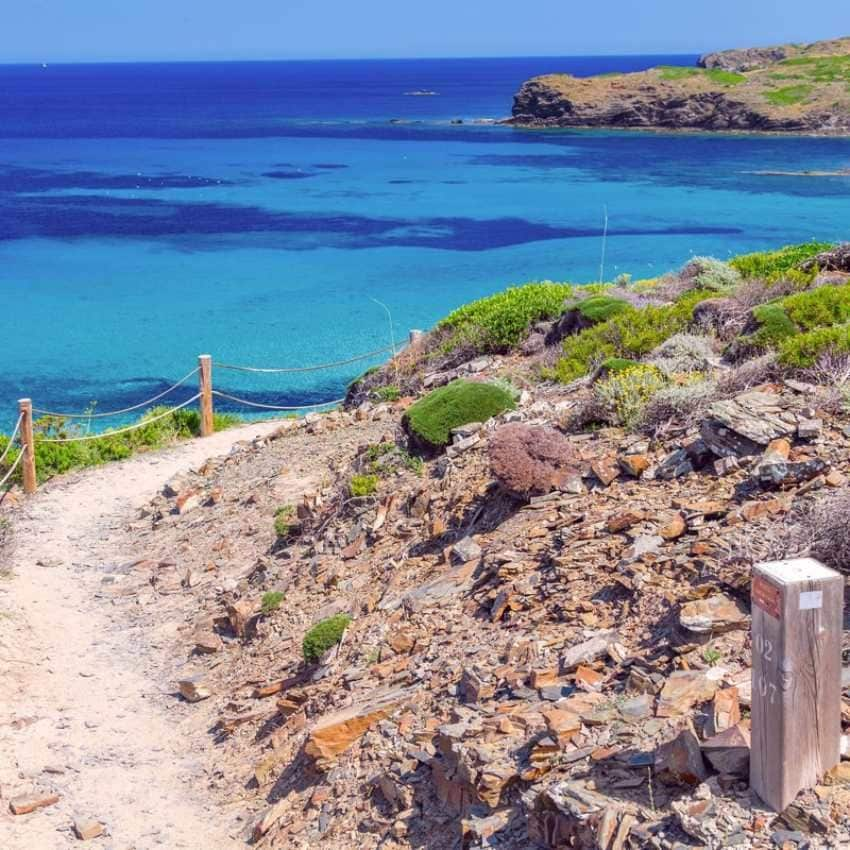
{"x": 811, "y": 599}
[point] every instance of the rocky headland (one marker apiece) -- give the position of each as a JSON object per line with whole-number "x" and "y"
{"x": 788, "y": 88}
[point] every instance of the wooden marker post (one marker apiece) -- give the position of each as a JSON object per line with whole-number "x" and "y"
{"x": 206, "y": 399}
{"x": 415, "y": 336}
{"x": 796, "y": 705}
{"x": 27, "y": 446}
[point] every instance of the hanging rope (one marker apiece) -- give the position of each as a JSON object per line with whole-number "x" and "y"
{"x": 135, "y": 427}
{"x": 12, "y": 438}
{"x": 12, "y": 469}
{"x": 118, "y": 412}
{"x": 245, "y": 401}
{"x": 316, "y": 368}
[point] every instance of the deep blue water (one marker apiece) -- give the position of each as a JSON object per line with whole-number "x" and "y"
{"x": 149, "y": 213}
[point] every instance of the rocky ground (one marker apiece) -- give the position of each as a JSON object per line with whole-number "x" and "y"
{"x": 790, "y": 88}
{"x": 549, "y": 639}
{"x": 569, "y": 672}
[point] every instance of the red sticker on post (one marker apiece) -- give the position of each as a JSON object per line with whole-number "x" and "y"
{"x": 767, "y": 596}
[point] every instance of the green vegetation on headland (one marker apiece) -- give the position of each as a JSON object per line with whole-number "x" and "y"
{"x": 629, "y": 334}
{"x": 772, "y": 265}
{"x": 497, "y": 322}
{"x": 55, "y": 458}
{"x": 717, "y": 75}
{"x": 629, "y": 320}
{"x": 651, "y": 351}
{"x": 789, "y": 88}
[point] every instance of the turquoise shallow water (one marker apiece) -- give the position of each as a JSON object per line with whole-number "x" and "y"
{"x": 152, "y": 213}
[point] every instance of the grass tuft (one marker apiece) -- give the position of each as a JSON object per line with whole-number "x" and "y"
{"x": 283, "y": 517}
{"x": 323, "y": 636}
{"x": 600, "y": 308}
{"x": 271, "y": 601}
{"x": 363, "y": 485}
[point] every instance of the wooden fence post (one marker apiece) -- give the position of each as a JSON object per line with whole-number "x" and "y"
{"x": 27, "y": 446}
{"x": 415, "y": 336}
{"x": 206, "y": 400}
{"x": 796, "y": 704}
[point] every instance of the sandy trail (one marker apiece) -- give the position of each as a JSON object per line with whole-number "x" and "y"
{"x": 79, "y": 714}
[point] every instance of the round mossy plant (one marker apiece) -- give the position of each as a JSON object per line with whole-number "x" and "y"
{"x": 323, "y": 636}
{"x": 430, "y": 421}
{"x": 600, "y": 308}
{"x": 614, "y": 365}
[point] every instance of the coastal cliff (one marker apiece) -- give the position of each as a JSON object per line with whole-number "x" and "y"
{"x": 789, "y": 88}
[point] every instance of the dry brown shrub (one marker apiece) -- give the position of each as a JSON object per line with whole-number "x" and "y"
{"x": 684, "y": 352}
{"x": 677, "y": 407}
{"x": 748, "y": 374}
{"x": 837, "y": 259}
{"x": 530, "y": 460}
{"x": 584, "y": 415}
{"x": 831, "y": 370}
{"x": 817, "y": 528}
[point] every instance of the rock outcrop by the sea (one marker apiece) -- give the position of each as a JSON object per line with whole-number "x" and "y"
{"x": 775, "y": 89}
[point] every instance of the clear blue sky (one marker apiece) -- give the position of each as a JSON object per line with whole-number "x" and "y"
{"x": 126, "y": 30}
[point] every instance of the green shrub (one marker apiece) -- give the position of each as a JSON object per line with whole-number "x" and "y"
{"x": 600, "y": 308}
{"x": 771, "y": 265}
{"x": 626, "y": 394}
{"x": 774, "y": 325}
{"x": 683, "y": 405}
{"x": 615, "y": 365}
{"x": 826, "y": 305}
{"x": 323, "y": 636}
{"x": 283, "y": 521}
{"x": 630, "y": 334}
{"x": 801, "y": 312}
{"x": 711, "y": 274}
{"x": 385, "y": 458}
{"x": 377, "y": 450}
{"x": 271, "y": 602}
{"x": 431, "y": 419}
{"x": 56, "y": 458}
{"x": 363, "y": 485}
{"x": 803, "y": 350}
{"x": 683, "y": 352}
{"x": 499, "y": 322}
{"x": 415, "y": 464}
{"x": 388, "y": 393}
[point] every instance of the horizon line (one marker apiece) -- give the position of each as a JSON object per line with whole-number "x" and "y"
{"x": 267, "y": 60}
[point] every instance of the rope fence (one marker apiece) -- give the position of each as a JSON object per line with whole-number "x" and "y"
{"x": 248, "y": 403}
{"x": 24, "y": 431}
{"x": 12, "y": 469}
{"x": 143, "y": 424}
{"x": 289, "y": 370}
{"x": 12, "y": 438}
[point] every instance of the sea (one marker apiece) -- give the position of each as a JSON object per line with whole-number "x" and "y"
{"x": 285, "y": 214}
